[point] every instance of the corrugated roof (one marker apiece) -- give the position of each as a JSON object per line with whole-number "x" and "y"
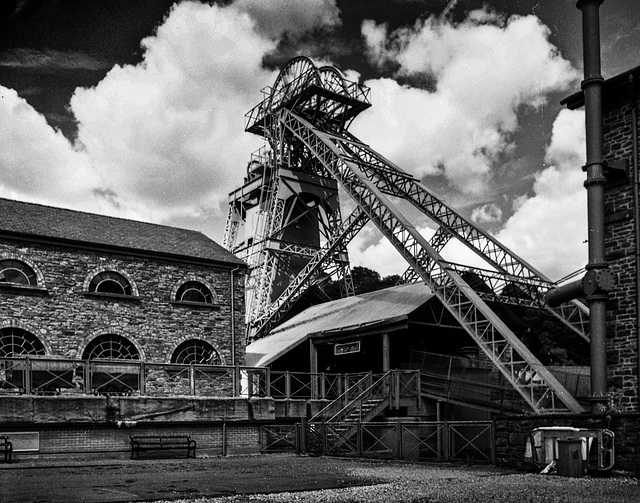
{"x": 344, "y": 314}
{"x": 69, "y": 225}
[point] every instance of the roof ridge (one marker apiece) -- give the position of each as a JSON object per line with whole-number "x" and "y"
{"x": 101, "y": 215}
{"x": 70, "y": 225}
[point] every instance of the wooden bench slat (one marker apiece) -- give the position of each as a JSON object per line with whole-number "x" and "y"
{"x": 145, "y": 443}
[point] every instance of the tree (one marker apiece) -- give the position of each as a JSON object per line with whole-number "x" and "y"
{"x": 364, "y": 280}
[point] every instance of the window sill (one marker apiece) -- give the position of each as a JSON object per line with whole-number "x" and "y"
{"x": 18, "y": 288}
{"x": 112, "y": 296}
{"x": 202, "y": 305}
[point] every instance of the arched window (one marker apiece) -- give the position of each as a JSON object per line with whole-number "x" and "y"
{"x": 17, "y": 272}
{"x": 110, "y": 282}
{"x": 16, "y": 341}
{"x": 196, "y": 351}
{"x": 110, "y": 347}
{"x": 194, "y": 291}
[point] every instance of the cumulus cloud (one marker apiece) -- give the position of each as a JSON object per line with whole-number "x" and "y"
{"x": 371, "y": 249}
{"x": 487, "y": 214}
{"x": 38, "y": 163}
{"x": 169, "y": 131}
{"x": 464, "y": 123}
{"x": 293, "y": 17}
{"x": 162, "y": 140}
{"x": 550, "y": 228}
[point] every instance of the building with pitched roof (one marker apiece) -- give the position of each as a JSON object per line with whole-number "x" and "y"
{"x": 374, "y": 331}
{"x": 83, "y": 286}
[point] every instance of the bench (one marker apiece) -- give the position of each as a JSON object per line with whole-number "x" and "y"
{"x": 7, "y": 448}
{"x": 162, "y": 443}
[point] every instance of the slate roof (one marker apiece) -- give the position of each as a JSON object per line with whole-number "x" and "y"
{"x": 344, "y": 315}
{"x": 58, "y": 224}
{"x": 612, "y": 87}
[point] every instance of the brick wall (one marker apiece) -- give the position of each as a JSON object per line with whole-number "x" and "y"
{"x": 65, "y": 318}
{"x": 211, "y": 439}
{"x": 622, "y": 335}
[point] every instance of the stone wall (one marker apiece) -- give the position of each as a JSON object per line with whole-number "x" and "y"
{"x": 65, "y": 317}
{"x": 622, "y": 336}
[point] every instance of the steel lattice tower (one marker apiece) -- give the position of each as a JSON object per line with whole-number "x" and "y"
{"x": 304, "y": 119}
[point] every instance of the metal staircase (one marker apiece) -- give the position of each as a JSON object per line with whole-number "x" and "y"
{"x": 305, "y": 118}
{"x": 362, "y": 401}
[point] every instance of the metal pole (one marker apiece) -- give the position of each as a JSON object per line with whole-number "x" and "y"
{"x": 597, "y": 267}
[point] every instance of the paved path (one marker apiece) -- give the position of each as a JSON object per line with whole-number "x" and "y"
{"x": 147, "y": 480}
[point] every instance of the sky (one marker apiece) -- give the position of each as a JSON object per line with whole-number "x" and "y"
{"x": 135, "y": 108}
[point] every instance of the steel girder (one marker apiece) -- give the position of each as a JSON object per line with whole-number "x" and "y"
{"x": 538, "y": 387}
{"x": 510, "y": 269}
{"x": 309, "y": 275}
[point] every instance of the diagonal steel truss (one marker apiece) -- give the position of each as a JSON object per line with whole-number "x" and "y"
{"x": 305, "y": 119}
{"x": 538, "y": 387}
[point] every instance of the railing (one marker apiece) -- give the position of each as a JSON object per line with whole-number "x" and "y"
{"x": 275, "y": 98}
{"x": 47, "y": 376}
{"x": 450, "y": 441}
{"x": 392, "y": 385}
{"x": 57, "y": 376}
{"x": 346, "y": 393}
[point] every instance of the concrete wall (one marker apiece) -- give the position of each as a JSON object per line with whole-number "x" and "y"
{"x": 97, "y": 410}
{"x": 65, "y": 318}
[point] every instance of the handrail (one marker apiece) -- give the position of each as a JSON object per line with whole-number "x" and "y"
{"x": 34, "y": 374}
{"x": 365, "y": 394}
{"x": 339, "y": 399}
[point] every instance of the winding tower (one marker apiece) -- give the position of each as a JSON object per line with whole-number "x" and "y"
{"x": 295, "y": 236}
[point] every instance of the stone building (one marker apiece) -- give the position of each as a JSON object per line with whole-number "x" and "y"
{"x": 621, "y": 102}
{"x": 82, "y": 286}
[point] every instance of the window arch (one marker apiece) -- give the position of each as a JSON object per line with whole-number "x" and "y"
{"x": 17, "y": 272}
{"x": 196, "y": 351}
{"x": 15, "y": 341}
{"x": 194, "y": 291}
{"x": 110, "y": 347}
{"x": 110, "y": 282}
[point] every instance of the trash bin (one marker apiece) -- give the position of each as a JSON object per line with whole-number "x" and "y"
{"x": 569, "y": 462}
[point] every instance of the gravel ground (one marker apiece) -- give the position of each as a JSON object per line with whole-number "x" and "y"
{"x": 401, "y": 482}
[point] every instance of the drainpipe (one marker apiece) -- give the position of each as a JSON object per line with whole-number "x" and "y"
{"x": 597, "y": 268}
{"x": 636, "y": 213}
{"x": 233, "y": 320}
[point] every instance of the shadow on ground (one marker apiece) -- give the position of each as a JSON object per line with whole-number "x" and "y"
{"x": 47, "y": 481}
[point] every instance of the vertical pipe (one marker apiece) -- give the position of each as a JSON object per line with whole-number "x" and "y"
{"x": 636, "y": 219}
{"x": 224, "y": 439}
{"x": 592, "y": 88}
{"x": 233, "y": 320}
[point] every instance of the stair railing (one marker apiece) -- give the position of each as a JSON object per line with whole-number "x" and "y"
{"x": 378, "y": 389}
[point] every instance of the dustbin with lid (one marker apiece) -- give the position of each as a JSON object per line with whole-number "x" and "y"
{"x": 569, "y": 462}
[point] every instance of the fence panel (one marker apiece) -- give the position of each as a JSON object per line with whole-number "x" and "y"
{"x": 423, "y": 441}
{"x": 468, "y": 441}
{"x": 471, "y": 441}
{"x": 380, "y": 441}
{"x": 279, "y": 438}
